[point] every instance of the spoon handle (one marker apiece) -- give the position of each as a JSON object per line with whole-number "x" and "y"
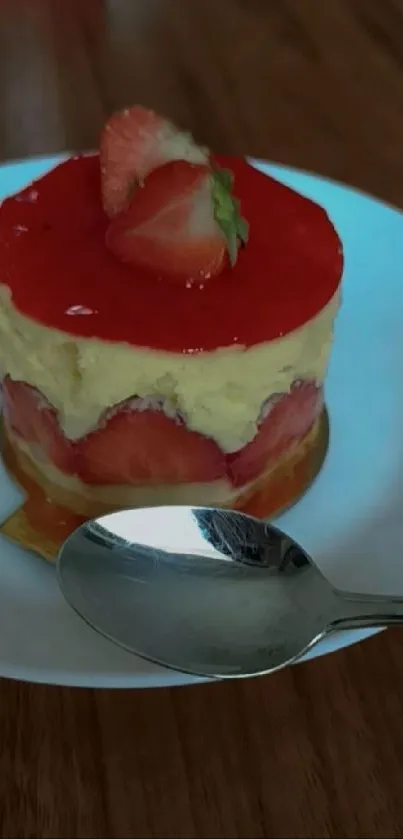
{"x": 366, "y": 611}
{"x": 367, "y": 622}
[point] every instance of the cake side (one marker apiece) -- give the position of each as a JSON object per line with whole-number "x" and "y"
{"x": 220, "y": 394}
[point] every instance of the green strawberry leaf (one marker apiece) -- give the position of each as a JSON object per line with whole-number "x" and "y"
{"x": 224, "y": 178}
{"x": 227, "y": 212}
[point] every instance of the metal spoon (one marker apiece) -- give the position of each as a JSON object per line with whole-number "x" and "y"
{"x": 209, "y": 592}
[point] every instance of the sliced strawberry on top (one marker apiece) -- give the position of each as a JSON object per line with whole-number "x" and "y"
{"x": 29, "y": 415}
{"x": 146, "y": 446}
{"x": 289, "y": 418}
{"x": 183, "y": 222}
{"x": 133, "y": 143}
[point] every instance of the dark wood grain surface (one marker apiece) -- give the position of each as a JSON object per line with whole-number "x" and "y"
{"x": 317, "y": 750}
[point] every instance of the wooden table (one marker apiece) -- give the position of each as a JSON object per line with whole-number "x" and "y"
{"x": 316, "y": 750}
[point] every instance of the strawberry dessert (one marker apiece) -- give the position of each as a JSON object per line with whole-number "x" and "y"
{"x": 166, "y": 320}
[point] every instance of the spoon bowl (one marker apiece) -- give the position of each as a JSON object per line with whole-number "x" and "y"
{"x": 209, "y": 592}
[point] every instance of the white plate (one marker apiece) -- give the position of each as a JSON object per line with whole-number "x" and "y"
{"x": 351, "y": 520}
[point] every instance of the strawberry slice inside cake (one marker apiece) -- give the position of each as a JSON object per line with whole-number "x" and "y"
{"x": 166, "y": 320}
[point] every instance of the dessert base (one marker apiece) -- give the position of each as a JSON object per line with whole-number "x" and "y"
{"x": 51, "y": 512}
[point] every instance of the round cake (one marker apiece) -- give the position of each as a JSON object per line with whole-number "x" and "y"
{"x": 153, "y": 353}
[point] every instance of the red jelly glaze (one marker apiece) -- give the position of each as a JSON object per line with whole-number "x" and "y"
{"x": 53, "y": 257}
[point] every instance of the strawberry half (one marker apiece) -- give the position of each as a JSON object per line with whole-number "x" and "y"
{"x": 183, "y": 221}
{"x": 133, "y": 143}
{"x": 29, "y": 415}
{"x": 289, "y": 418}
{"x": 146, "y": 446}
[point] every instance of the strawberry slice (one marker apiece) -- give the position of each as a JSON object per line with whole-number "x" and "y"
{"x": 31, "y": 417}
{"x": 20, "y": 407}
{"x": 61, "y": 451}
{"x": 183, "y": 221}
{"x": 135, "y": 446}
{"x": 146, "y": 446}
{"x": 133, "y": 143}
{"x": 290, "y": 416}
